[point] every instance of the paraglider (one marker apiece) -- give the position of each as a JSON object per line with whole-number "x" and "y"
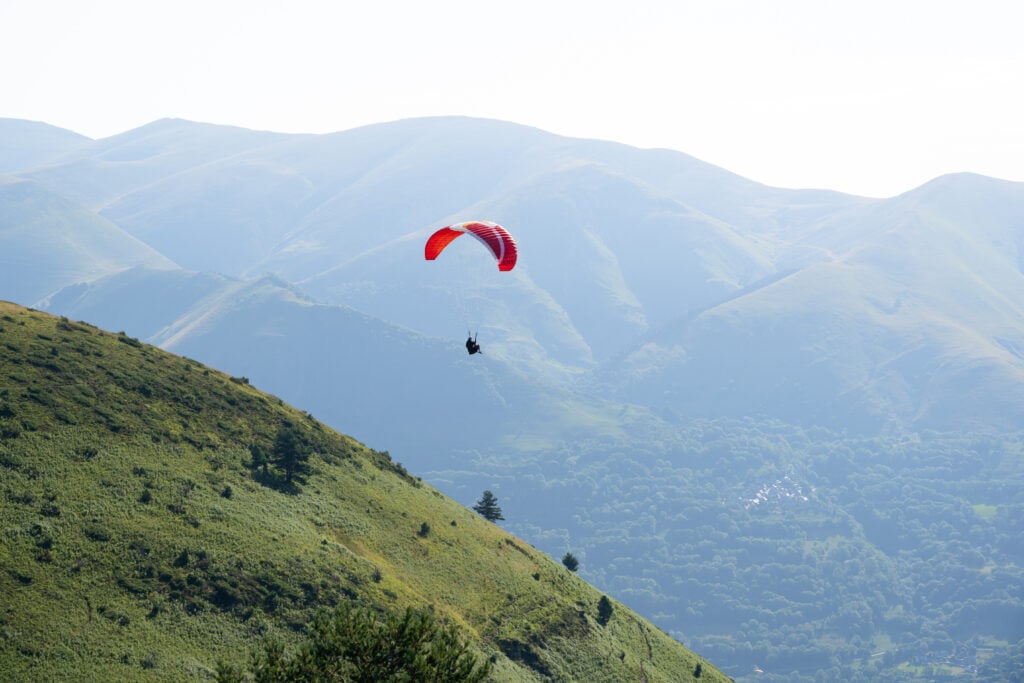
{"x": 497, "y": 240}
{"x": 471, "y": 345}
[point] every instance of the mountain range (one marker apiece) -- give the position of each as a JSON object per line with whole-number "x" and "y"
{"x": 647, "y": 276}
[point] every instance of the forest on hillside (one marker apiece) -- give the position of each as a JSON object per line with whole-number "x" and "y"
{"x": 802, "y": 554}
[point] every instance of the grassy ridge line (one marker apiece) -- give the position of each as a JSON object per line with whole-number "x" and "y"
{"x": 140, "y": 544}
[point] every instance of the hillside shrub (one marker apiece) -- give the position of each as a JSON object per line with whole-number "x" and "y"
{"x": 356, "y": 645}
{"x": 604, "y": 610}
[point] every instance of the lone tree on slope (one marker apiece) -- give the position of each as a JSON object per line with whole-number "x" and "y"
{"x": 605, "y": 610}
{"x": 570, "y": 562}
{"x": 487, "y": 506}
{"x": 291, "y": 452}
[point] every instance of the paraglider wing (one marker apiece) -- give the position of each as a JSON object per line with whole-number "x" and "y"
{"x": 491, "y": 235}
{"x": 438, "y": 241}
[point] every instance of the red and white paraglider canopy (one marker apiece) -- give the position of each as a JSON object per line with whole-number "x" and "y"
{"x": 491, "y": 235}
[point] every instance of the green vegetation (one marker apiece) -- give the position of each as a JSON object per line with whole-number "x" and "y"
{"x": 605, "y": 610}
{"x": 161, "y": 519}
{"x": 355, "y": 646}
{"x": 488, "y": 508}
{"x": 803, "y": 553}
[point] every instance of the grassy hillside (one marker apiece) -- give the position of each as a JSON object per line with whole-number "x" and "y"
{"x": 140, "y": 541}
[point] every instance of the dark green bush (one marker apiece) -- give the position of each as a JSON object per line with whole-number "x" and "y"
{"x": 358, "y": 646}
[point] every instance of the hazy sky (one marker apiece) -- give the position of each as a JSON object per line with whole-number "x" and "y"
{"x": 871, "y": 97}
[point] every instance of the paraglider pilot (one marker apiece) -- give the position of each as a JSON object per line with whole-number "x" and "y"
{"x": 472, "y": 346}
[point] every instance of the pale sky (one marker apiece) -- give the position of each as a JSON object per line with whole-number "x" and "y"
{"x": 871, "y": 97}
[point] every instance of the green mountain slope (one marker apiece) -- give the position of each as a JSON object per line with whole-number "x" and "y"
{"x": 143, "y": 541}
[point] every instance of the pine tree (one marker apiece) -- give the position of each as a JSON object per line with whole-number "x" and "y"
{"x": 487, "y": 506}
{"x": 570, "y": 562}
{"x": 291, "y": 451}
{"x": 604, "y": 610}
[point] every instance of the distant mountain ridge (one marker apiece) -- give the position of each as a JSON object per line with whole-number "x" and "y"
{"x": 919, "y": 320}
{"x": 806, "y": 303}
{"x": 26, "y": 144}
{"x": 48, "y": 241}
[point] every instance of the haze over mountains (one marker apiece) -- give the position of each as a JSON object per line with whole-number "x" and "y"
{"x": 655, "y": 294}
{"x": 647, "y": 275}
